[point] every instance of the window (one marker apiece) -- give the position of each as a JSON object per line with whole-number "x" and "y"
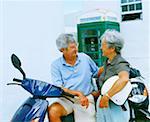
{"x": 135, "y": 16}
{"x": 131, "y": 10}
{"x": 89, "y": 33}
{"x": 123, "y": 1}
{"x": 131, "y": 7}
{"x": 138, "y": 6}
{"x": 124, "y": 8}
{"x": 131, "y": 0}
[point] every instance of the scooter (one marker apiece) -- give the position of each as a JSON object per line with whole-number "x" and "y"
{"x": 34, "y": 108}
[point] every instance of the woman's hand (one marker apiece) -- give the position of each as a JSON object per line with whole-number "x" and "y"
{"x": 95, "y": 94}
{"x": 101, "y": 69}
{"x": 104, "y": 102}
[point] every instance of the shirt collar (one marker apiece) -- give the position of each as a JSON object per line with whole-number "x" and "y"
{"x": 64, "y": 61}
{"x": 114, "y": 61}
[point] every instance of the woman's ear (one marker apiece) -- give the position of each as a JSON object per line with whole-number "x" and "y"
{"x": 112, "y": 49}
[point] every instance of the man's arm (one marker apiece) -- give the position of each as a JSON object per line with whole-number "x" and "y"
{"x": 56, "y": 75}
{"x": 83, "y": 99}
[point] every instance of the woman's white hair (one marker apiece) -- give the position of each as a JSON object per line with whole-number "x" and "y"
{"x": 114, "y": 39}
{"x": 64, "y": 39}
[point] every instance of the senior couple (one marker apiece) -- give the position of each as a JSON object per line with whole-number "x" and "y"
{"x": 73, "y": 72}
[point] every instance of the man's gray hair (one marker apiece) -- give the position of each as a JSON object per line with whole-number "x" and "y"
{"x": 114, "y": 39}
{"x": 64, "y": 39}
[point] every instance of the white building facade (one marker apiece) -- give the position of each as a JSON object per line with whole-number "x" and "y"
{"x": 30, "y": 28}
{"x": 133, "y": 16}
{"x": 135, "y": 30}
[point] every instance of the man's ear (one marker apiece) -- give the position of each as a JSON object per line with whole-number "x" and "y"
{"x": 62, "y": 49}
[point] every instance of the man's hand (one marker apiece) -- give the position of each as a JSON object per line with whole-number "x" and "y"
{"x": 84, "y": 101}
{"x": 104, "y": 102}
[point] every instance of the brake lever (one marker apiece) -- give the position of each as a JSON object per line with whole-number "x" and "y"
{"x": 17, "y": 80}
{"x": 14, "y": 84}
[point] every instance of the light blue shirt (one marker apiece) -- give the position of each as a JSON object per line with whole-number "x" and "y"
{"x": 77, "y": 77}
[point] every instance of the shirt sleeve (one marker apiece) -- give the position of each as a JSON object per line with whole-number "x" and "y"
{"x": 94, "y": 67}
{"x": 122, "y": 67}
{"x": 56, "y": 75}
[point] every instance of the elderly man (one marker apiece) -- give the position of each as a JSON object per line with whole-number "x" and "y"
{"x": 73, "y": 72}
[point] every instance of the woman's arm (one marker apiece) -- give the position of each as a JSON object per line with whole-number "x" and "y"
{"x": 118, "y": 86}
{"x": 101, "y": 69}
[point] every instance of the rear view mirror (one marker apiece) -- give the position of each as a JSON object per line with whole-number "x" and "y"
{"x": 15, "y": 61}
{"x": 17, "y": 64}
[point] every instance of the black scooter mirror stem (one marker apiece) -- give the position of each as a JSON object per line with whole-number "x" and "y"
{"x": 17, "y": 64}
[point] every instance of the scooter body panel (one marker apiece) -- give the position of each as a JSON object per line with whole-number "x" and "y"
{"x": 31, "y": 109}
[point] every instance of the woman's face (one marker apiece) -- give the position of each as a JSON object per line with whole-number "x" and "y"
{"x": 106, "y": 51}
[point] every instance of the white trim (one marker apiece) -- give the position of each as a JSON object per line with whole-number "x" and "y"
{"x": 130, "y": 3}
{"x": 131, "y": 12}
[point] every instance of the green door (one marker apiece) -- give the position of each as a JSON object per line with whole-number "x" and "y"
{"x": 89, "y": 39}
{"x": 90, "y": 43}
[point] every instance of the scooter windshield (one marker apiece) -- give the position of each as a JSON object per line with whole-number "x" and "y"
{"x": 41, "y": 89}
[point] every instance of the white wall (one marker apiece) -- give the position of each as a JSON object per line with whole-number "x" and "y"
{"x": 1, "y": 61}
{"x": 137, "y": 43}
{"x": 30, "y": 29}
{"x": 88, "y": 6}
{"x": 136, "y": 34}
{"x": 112, "y": 5}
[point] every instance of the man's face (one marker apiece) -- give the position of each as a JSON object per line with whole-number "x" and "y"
{"x": 72, "y": 50}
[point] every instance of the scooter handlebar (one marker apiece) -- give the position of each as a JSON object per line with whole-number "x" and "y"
{"x": 17, "y": 80}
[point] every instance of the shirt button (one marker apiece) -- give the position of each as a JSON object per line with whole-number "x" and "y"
{"x": 75, "y": 71}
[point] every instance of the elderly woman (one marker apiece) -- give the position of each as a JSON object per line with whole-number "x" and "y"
{"x": 107, "y": 111}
